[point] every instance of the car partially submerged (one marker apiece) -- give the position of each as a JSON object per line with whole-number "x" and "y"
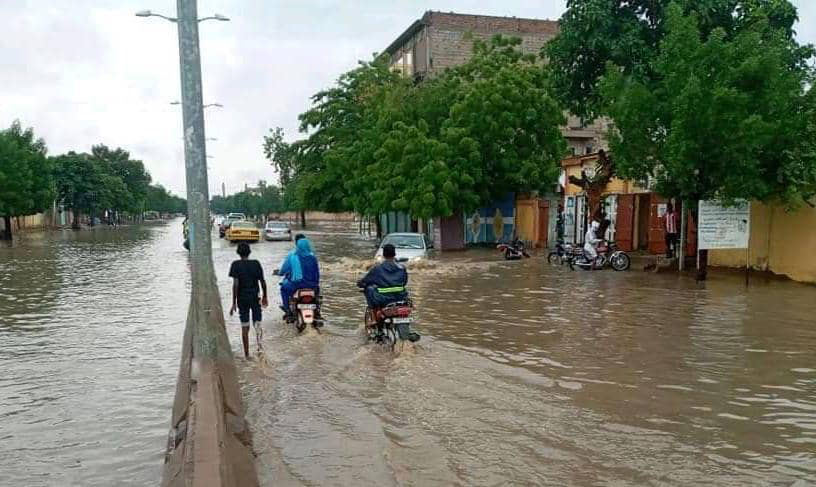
{"x": 409, "y": 246}
{"x": 277, "y": 231}
{"x": 243, "y": 231}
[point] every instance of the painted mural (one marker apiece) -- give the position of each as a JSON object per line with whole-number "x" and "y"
{"x": 491, "y": 224}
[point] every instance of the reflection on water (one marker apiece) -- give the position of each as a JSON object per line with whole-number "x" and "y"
{"x": 90, "y": 332}
{"x": 526, "y": 374}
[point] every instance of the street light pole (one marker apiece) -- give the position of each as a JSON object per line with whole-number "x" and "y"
{"x": 209, "y": 444}
{"x": 208, "y": 317}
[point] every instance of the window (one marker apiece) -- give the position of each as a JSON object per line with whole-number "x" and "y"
{"x": 404, "y": 241}
{"x": 589, "y": 149}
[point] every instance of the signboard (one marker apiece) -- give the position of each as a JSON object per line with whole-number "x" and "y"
{"x": 723, "y": 227}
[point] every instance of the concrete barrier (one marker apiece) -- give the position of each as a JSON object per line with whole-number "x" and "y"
{"x": 209, "y": 444}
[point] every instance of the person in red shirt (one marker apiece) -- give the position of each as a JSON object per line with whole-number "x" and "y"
{"x": 670, "y": 225}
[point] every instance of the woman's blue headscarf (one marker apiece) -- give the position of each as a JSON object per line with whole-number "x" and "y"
{"x": 303, "y": 248}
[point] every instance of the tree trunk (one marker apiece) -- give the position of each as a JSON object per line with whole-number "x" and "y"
{"x": 379, "y": 227}
{"x": 6, "y": 235}
{"x": 75, "y": 223}
{"x": 302, "y": 218}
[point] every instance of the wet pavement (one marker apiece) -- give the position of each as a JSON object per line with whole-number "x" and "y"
{"x": 526, "y": 374}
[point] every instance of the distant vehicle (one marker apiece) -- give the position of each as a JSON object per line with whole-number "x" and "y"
{"x": 237, "y": 216}
{"x": 409, "y": 246}
{"x": 243, "y": 231}
{"x": 225, "y": 224}
{"x": 277, "y": 231}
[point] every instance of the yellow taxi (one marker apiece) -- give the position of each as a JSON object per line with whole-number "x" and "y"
{"x": 243, "y": 231}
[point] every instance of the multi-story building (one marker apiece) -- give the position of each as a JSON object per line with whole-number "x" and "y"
{"x": 440, "y": 40}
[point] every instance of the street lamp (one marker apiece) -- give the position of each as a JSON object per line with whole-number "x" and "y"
{"x": 149, "y": 13}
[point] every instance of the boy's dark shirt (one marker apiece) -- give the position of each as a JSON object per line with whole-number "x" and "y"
{"x": 249, "y": 273}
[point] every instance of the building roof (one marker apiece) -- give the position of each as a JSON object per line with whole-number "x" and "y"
{"x": 432, "y": 17}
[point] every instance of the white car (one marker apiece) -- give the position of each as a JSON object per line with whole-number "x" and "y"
{"x": 277, "y": 231}
{"x": 409, "y": 246}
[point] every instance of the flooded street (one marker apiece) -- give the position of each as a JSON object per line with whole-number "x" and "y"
{"x": 525, "y": 375}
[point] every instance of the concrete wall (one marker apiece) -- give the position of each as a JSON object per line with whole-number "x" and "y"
{"x": 452, "y": 35}
{"x": 40, "y": 220}
{"x": 781, "y": 242}
{"x": 315, "y": 216}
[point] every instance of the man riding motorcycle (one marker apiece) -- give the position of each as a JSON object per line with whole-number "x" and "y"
{"x": 384, "y": 286}
{"x": 591, "y": 240}
{"x": 385, "y": 282}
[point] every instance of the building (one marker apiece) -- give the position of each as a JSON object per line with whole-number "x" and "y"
{"x": 634, "y": 210}
{"x": 438, "y": 41}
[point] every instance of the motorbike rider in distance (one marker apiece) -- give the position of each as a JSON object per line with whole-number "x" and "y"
{"x": 385, "y": 283}
{"x": 591, "y": 240}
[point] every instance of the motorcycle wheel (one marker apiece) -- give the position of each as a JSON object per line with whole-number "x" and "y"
{"x": 300, "y": 324}
{"x": 554, "y": 259}
{"x": 507, "y": 255}
{"x": 620, "y": 261}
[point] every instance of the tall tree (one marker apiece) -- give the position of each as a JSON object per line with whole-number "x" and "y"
{"x": 131, "y": 193}
{"x": 627, "y": 33}
{"x": 26, "y": 186}
{"x": 481, "y": 130}
{"x": 723, "y": 118}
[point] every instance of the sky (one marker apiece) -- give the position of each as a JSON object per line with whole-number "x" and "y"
{"x": 85, "y": 72}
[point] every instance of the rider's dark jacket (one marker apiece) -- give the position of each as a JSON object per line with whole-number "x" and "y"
{"x": 385, "y": 283}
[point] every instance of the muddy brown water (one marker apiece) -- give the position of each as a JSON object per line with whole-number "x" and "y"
{"x": 526, "y": 374}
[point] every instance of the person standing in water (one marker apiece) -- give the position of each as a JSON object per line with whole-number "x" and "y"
{"x": 246, "y": 274}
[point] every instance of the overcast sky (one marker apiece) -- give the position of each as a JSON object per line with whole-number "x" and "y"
{"x": 83, "y": 72}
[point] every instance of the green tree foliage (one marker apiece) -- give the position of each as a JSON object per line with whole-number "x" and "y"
{"x": 129, "y": 196}
{"x": 105, "y": 179}
{"x": 26, "y": 186}
{"x": 284, "y": 158}
{"x": 260, "y": 201}
{"x": 627, "y": 33}
{"x": 724, "y": 117}
{"x": 378, "y": 142}
{"x": 158, "y": 199}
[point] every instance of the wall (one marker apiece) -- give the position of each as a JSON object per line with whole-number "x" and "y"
{"x": 448, "y": 233}
{"x": 532, "y": 214}
{"x": 315, "y": 216}
{"x": 615, "y": 185}
{"x": 479, "y": 225}
{"x": 452, "y": 35}
{"x": 781, "y": 242}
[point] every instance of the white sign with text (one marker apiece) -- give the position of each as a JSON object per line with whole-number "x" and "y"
{"x": 723, "y": 227}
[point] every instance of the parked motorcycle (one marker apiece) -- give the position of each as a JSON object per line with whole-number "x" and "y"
{"x": 514, "y": 250}
{"x": 608, "y": 254}
{"x": 390, "y": 323}
{"x": 563, "y": 253}
{"x": 304, "y": 310}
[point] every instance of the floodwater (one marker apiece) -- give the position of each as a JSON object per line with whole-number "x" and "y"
{"x": 525, "y": 375}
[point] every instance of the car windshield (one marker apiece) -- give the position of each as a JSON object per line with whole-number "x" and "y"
{"x": 404, "y": 241}
{"x": 276, "y": 226}
{"x": 243, "y": 225}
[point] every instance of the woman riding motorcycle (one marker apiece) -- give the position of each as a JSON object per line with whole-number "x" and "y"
{"x": 300, "y": 271}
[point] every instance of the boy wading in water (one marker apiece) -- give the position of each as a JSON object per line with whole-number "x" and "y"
{"x": 246, "y": 274}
